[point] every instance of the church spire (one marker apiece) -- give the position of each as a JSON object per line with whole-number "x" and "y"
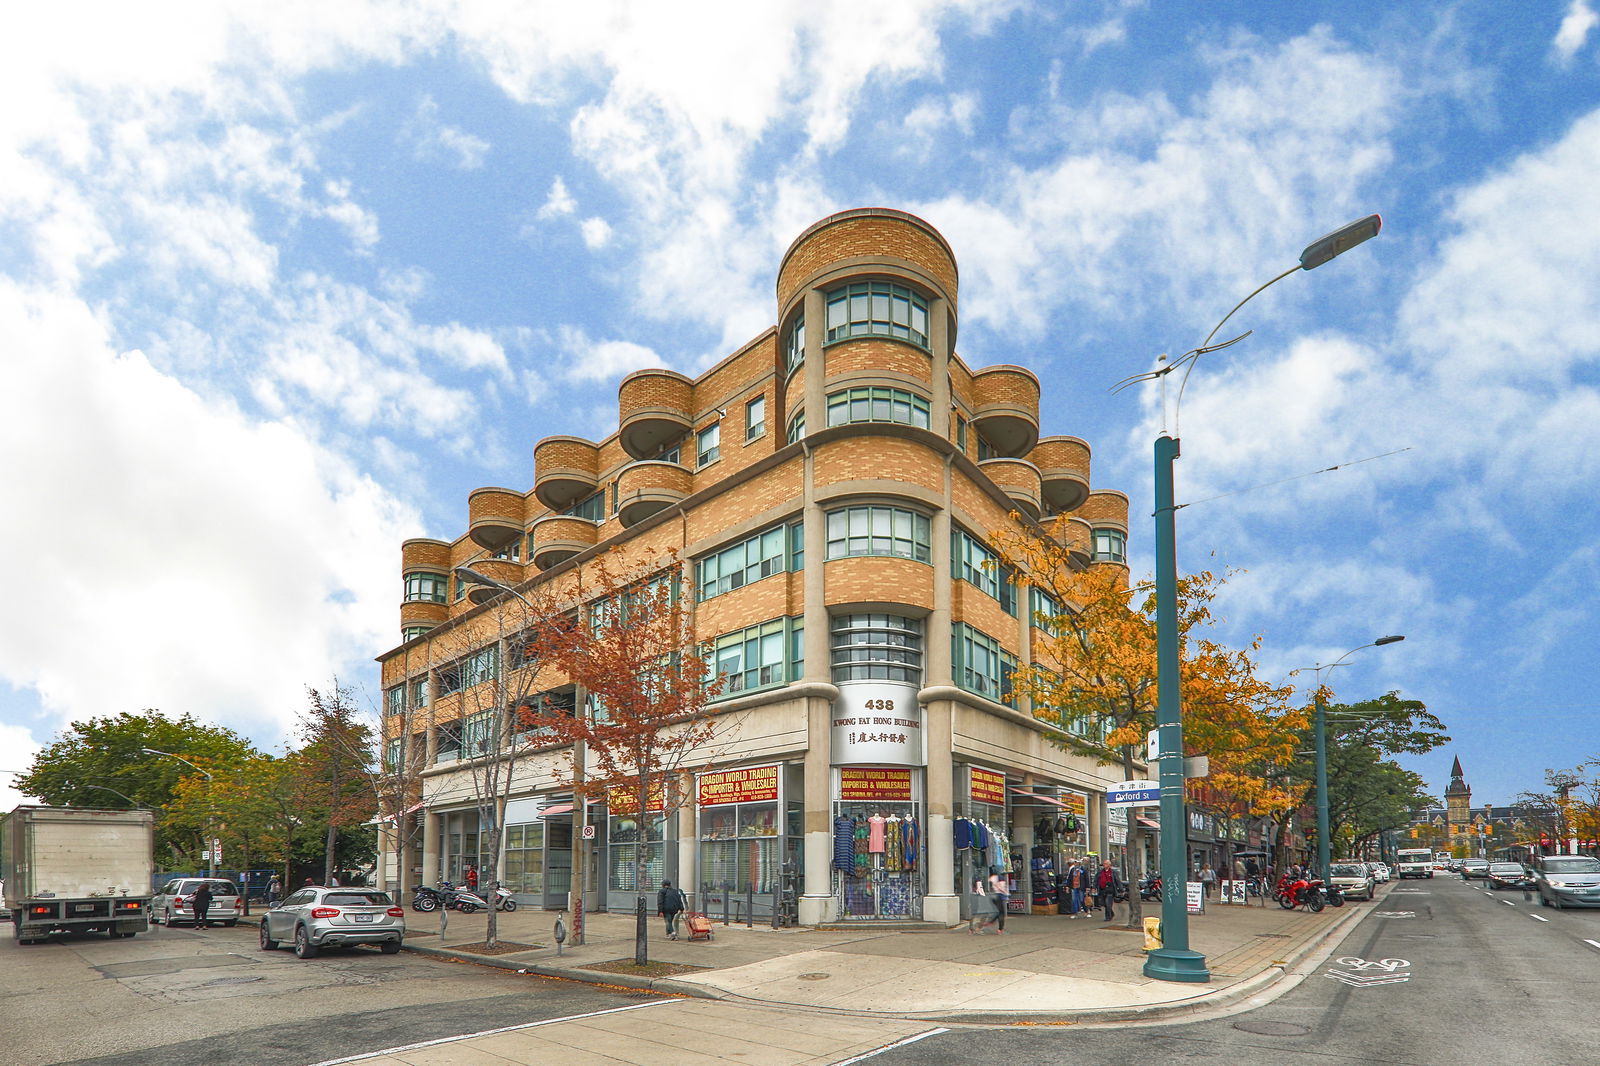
{"x": 1458, "y": 783}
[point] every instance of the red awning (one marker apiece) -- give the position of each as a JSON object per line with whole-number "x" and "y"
{"x": 1148, "y": 824}
{"x": 560, "y": 808}
{"x": 1036, "y": 796}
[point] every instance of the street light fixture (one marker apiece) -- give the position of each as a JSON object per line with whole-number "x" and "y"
{"x": 1173, "y": 961}
{"x": 211, "y": 850}
{"x": 1321, "y": 723}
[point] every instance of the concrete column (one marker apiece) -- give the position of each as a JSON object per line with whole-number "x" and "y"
{"x": 816, "y": 892}
{"x": 941, "y": 904}
{"x": 939, "y": 379}
{"x": 430, "y": 847}
{"x": 1022, "y": 840}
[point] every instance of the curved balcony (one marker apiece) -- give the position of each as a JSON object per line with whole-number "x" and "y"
{"x": 647, "y": 487}
{"x": 423, "y": 613}
{"x": 656, "y": 408}
{"x": 565, "y": 470}
{"x": 494, "y": 517}
{"x": 1006, "y": 408}
{"x": 1106, "y": 507}
{"x": 423, "y": 553}
{"x": 505, "y": 571}
{"x": 1018, "y": 479}
{"x": 557, "y": 538}
{"x": 1078, "y": 536}
{"x": 1063, "y": 464}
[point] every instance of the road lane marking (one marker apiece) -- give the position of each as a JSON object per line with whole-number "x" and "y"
{"x": 1593, "y": 943}
{"x": 1508, "y": 903}
{"x": 494, "y": 1032}
{"x": 887, "y": 1047}
{"x": 1538, "y": 918}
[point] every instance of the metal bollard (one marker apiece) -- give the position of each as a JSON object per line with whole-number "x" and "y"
{"x": 750, "y": 905}
{"x": 560, "y": 934}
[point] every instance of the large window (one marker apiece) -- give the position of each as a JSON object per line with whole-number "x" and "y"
{"x": 757, "y": 657}
{"x": 877, "y": 403}
{"x": 1110, "y": 546}
{"x": 524, "y": 870}
{"x": 624, "y": 848}
{"x": 877, "y": 647}
{"x": 393, "y": 750}
{"x": 412, "y": 632}
{"x": 972, "y": 561}
{"x": 592, "y": 507}
{"x": 755, "y": 418}
{"x": 739, "y": 849}
{"x": 877, "y": 309}
{"x": 980, "y": 665}
{"x": 708, "y": 445}
{"x": 872, "y": 530}
{"x": 794, "y": 343}
{"x": 477, "y": 733}
{"x": 426, "y": 587}
{"x": 481, "y": 665}
{"x": 419, "y": 692}
{"x": 1045, "y": 610}
{"x": 743, "y": 563}
{"x": 797, "y": 428}
{"x": 394, "y": 700}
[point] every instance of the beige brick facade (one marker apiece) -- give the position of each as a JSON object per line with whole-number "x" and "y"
{"x": 903, "y": 489}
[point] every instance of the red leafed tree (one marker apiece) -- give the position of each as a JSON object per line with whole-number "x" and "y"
{"x": 649, "y": 685}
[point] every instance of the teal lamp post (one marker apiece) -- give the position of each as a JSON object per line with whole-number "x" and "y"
{"x": 1173, "y": 961}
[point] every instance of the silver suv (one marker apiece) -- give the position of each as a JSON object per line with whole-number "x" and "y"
{"x": 316, "y": 918}
{"x": 175, "y": 902}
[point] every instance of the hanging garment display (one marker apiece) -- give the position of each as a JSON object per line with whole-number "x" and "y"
{"x": 963, "y": 834}
{"x": 861, "y": 846}
{"x": 910, "y": 834}
{"x": 892, "y": 858}
{"x": 875, "y": 833}
{"x": 844, "y": 844}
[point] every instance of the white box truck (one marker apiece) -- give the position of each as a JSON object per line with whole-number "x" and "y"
{"x": 77, "y": 869}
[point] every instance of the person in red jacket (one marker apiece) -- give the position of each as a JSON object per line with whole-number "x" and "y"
{"x": 1105, "y": 887}
{"x": 472, "y": 879}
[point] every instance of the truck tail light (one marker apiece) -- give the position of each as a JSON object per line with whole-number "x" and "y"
{"x": 325, "y": 912}
{"x": 38, "y": 910}
{"x": 129, "y": 905}
{"x": 396, "y": 912}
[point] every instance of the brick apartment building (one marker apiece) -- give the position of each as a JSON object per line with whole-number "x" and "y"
{"x": 831, "y": 487}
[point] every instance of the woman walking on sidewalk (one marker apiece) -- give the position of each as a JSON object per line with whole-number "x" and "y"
{"x": 670, "y": 903}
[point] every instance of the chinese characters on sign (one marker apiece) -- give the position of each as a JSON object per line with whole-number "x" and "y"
{"x": 877, "y": 722}
{"x": 749, "y": 784}
{"x": 862, "y": 784}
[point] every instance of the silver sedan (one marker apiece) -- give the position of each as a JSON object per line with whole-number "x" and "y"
{"x": 315, "y": 918}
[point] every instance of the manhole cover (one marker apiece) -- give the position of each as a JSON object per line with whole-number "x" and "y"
{"x": 231, "y": 981}
{"x": 1272, "y": 1028}
{"x": 815, "y": 976}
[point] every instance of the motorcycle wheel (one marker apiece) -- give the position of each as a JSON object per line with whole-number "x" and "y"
{"x": 1336, "y": 901}
{"x": 426, "y": 904}
{"x": 509, "y": 905}
{"x": 466, "y": 908}
{"x": 1316, "y": 904}
{"x": 1286, "y": 902}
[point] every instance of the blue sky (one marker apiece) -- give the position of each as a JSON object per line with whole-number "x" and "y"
{"x": 280, "y": 284}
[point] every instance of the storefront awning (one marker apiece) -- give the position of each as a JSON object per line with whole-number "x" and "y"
{"x": 382, "y": 818}
{"x": 560, "y": 808}
{"x": 1148, "y": 824}
{"x": 1036, "y": 796}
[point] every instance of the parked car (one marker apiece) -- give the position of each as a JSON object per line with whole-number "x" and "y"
{"x": 1471, "y": 868}
{"x": 317, "y": 917}
{"x": 1352, "y": 879}
{"x": 1507, "y": 875}
{"x": 175, "y": 902}
{"x": 1380, "y": 872}
{"x": 1567, "y": 880}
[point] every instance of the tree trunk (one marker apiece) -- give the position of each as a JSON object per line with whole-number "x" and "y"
{"x": 490, "y": 872}
{"x": 641, "y": 921}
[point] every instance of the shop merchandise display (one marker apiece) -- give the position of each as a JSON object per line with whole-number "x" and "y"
{"x": 877, "y": 855}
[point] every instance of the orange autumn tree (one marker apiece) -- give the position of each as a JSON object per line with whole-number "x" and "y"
{"x": 1093, "y": 677}
{"x": 649, "y": 684}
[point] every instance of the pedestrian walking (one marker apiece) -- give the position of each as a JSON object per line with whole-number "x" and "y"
{"x": 999, "y": 895}
{"x": 202, "y": 906}
{"x": 982, "y": 909}
{"x": 670, "y": 903}
{"x": 1208, "y": 879}
{"x": 1078, "y": 884}
{"x": 1105, "y": 885}
{"x": 274, "y": 890}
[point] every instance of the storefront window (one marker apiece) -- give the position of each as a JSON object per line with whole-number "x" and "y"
{"x": 524, "y": 870}
{"x": 625, "y": 844}
{"x": 739, "y": 851}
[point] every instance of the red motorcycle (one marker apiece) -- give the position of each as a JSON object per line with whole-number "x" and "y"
{"x": 1301, "y": 892}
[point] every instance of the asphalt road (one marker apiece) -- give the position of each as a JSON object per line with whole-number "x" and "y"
{"x": 175, "y": 997}
{"x": 1439, "y": 972}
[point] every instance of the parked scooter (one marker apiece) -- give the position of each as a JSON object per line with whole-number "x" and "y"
{"x": 1150, "y": 887}
{"x": 503, "y": 900}
{"x": 460, "y": 899}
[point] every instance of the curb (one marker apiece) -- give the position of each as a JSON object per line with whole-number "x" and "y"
{"x": 1243, "y": 989}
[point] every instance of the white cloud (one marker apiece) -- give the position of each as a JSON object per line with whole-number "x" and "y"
{"x": 1575, "y": 27}
{"x": 596, "y": 232}
{"x": 19, "y": 748}
{"x": 196, "y": 560}
{"x": 559, "y": 203}
{"x": 433, "y": 140}
{"x": 588, "y": 360}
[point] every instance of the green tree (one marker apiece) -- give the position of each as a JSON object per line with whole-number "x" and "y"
{"x": 102, "y": 762}
{"x": 335, "y": 765}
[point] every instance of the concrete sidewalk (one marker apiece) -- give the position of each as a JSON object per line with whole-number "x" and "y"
{"x": 1043, "y": 968}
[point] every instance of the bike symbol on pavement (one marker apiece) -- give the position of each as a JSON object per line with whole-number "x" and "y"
{"x": 1386, "y": 974}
